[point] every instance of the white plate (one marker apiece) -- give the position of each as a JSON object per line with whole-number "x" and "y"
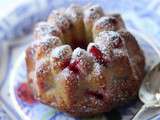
{"x": 38, "y": 111}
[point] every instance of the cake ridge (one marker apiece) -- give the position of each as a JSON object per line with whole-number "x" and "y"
{"x": 84, "y": 61}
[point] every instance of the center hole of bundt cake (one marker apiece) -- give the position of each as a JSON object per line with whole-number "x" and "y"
{"x": 79, "y": 43}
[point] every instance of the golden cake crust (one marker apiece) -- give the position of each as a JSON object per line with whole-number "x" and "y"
{"x": 78, "y": 81}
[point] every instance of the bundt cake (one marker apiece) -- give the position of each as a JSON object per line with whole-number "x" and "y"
{"x": 83, "y": 61}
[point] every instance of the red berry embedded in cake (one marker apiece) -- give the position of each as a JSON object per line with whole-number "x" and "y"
{"x": 96, "y": 52}
{"x": 85, "y": 60}
{"x": 73, "y": 66}
{"x": 100, "y": 57}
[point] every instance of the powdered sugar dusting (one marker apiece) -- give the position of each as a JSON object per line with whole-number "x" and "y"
{"x": 98, "y": 69}
{"x": 110, "y": 39}
{"x": 105, "y": 23}
{"x": 78, "y": 52}
{"x": 101, "y": 53}
{"x": 74, "y": 13}
{"x": 59, "y": 19}
{"x": 85, "y": 60}
{"x": 120, "y": 52}
{"x": 106, "y": 36}
{"x": 41, "y": 64}
{"x": 62, "y": 52}
{"x": 93, "y": 13}
{"x": 43, "y": 29}
{"x": 67, "y": 72}
{"x": 53, "y": 40}
{"x": 45, "y": 46}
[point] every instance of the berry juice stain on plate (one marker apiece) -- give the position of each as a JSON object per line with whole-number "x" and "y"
{"x": 25, "y": 93}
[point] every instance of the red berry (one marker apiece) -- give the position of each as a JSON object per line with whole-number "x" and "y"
{"x": 96, "y": 52}
{"x": 99, "y": 56}
{"x": 25, "y": 93}
{"x": 64, "y": 64}
{"x": 73, "y": 66}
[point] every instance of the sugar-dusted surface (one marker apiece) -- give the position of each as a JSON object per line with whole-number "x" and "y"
{"x": 59, "y": 19}
{"x": 62, "y": 52}
{"x": 85, "y": 60}
{"x": 74, "y": 13}
{"x": 91, "y": 14}
{"x": 97, "y": 79}
{"x": 44, "y": 29}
